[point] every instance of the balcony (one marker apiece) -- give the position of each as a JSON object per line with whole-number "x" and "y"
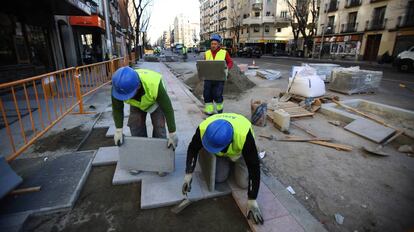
{"x": 375, "y": 25}
{"x": 223, "y": 8}
{"x": 333, "y": 6}
{"x": 349, "y": 27}
{"x": 282, "y": 21}
{"x": 269, "y": 19}
{"x": 222, "y": 19}
{"x": 407, "y": 21}
{"x": 352, "y": 3}
{"x": 252, "y": 21}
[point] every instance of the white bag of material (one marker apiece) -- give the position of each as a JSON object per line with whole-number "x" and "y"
{"x": 304, "y": 70}
{"x": 307, "y": 83}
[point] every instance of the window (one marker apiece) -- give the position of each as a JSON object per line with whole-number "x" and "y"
{"x": 267, "y": 28}
{"x": 331, "y": 21}
{"x": 352, "y": 17}
{"x": 279, "y": 30}
{"x": 256, "y": 29}
{"x": 257, "y": 14}
{"x": 379, "y": 14}
{"x": 268, "y": 13}
{"x": 283, "y": 14}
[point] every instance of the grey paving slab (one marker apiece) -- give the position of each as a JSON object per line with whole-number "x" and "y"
{"x": 146, "y": 154}
{"x": 8, "y": 178}
{"x": 106, "y": 156}
{"x": 370, "y": 130}
{"x": 165, "y": 191}
{"x": 207, "y": 163}
{"x": 13, "y": 222}
{"x": 61, "y": 180}
{"x": 111, "y": 131}
{"x": 122, "y": 176}
{"x": 220, "y": 189}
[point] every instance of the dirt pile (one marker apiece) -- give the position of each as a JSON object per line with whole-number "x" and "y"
{"x": 235, "y": 85}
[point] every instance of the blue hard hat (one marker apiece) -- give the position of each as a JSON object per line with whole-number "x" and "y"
{"x": 218, "y": 135}
{"x": 216, "y": 37}
{"x": 125, "y": 83}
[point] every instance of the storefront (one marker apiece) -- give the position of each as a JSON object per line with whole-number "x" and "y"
{"x": 89, "y": 36}
{"x": 28, "y": 36}
{"x": 268, "y": 46}
{"x": 339, "y": 46}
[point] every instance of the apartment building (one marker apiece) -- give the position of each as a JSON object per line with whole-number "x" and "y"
{"x": 186, "y": 32}
{"x": 265, "y": 24}
{"x": 364, "y": 29}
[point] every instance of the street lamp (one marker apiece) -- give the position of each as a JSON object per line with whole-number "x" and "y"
{"x": 323, "y": 34}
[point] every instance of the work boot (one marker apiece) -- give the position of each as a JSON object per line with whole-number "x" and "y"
{"x": 209, "y": 109}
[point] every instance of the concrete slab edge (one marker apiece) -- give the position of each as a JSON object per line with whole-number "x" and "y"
{"x": 295, "y": 208}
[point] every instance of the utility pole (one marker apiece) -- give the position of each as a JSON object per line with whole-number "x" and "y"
{"x": 107, "y": 29}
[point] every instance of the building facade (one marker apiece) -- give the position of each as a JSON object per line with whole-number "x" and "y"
{"x": 262, "y": 23}
{"x": 46, "y": 35}
{"x": 186, "y": 32}
{"x": 364, "y": 29}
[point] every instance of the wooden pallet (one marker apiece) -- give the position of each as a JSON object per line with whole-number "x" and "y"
{"x": 293, "y": 109}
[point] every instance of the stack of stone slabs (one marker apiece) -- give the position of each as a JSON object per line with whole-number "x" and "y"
{"x": 353, "y": 80}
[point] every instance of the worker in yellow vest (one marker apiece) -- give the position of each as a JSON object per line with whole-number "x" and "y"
{"x": 213, "y": 90}
{"x": 230, "y": 137}
{"x": 144, "y": 91}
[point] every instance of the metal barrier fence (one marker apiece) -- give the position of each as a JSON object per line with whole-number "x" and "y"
{"x": 30, "y": 107}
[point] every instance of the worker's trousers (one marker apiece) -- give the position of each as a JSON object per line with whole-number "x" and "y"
{"x": 240, "y": 173}
{"x": 213, "y": 91}
{"x": 137, "y": 125}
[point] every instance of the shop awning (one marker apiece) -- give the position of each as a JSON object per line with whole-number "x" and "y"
{"x": 87, "y": 21}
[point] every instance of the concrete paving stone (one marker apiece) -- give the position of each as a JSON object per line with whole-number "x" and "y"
{"x": 61, "y": 180}
{"x": 106, "y": 156}
{"x": 281, "y": 224}
{"x": 269, "y": 205}
{"x": 13, "y": 222}
{"x": 207, "y": 163}
{"x": 111, "y": 131}
{"x": 221, "y": 189}
{"x": 122, "y": 176}
{"x": 8, "y": 178}
{"x": 370, "y": 130}
{"x": 146, "y": 154}
{"x": 165, "y": 191}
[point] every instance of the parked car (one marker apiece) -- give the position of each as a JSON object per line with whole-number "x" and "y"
{"x": 405, "y": 60}
{"x": 249, "y": 52}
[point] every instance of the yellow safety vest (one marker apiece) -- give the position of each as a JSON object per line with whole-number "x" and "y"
{"x": 150, "y": 81}
{"x": 241, "y": 126}
{"x": 220, "y": 55}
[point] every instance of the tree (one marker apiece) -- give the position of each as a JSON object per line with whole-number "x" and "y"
{"x": 304, "y": 17}
{"x": 140, "y": 9}
{"x": 236, "y": 23}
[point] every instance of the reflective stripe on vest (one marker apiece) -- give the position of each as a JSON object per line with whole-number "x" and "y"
{"x": 241, "y": 127}
{"x": 150, "y": 81}
{"x": 220, "y": 55}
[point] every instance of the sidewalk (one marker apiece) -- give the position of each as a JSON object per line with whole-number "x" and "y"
{"x": 281, "y": 211}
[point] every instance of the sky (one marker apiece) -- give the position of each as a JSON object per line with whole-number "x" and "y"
{"x": 164, "y": 12}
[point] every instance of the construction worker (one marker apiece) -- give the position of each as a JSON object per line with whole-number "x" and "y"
{"x": 144, "y": 91}
{"x": 213, "y": 90}
{"x": 230, "y": 137}
{"x": 184, "y": 51}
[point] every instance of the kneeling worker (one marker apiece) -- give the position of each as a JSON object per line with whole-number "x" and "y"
{"x": 145, "y": 92}
{"x": 231, "y": 138}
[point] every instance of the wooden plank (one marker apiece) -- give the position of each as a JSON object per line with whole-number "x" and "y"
{"x": 25, "y": 190}
{"x": 333, "y": 145}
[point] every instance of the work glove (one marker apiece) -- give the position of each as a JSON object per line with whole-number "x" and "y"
{"x": 118, "y": 137}
{"x": 187, "y": 183}
{"x": 172, "y": 140}
{"x": 253, "y": 212}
